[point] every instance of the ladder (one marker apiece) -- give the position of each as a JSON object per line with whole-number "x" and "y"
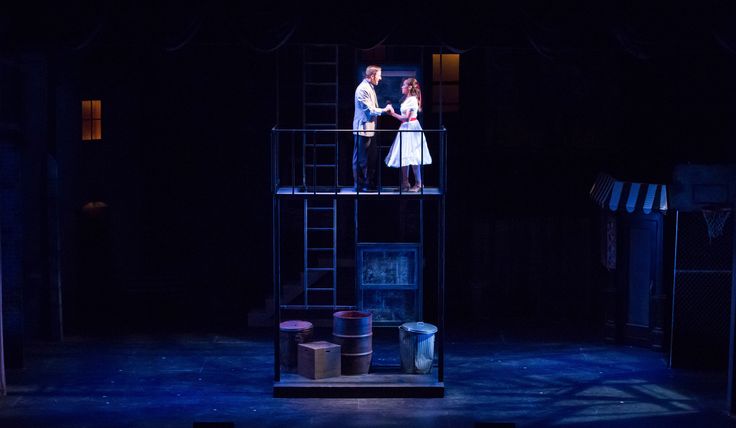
{"x": 320, "y": 254}
{"x": 320, "y": 111}
{"x": 320, "y": 172}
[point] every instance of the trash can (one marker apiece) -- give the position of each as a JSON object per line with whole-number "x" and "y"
{"x": 291, "y": 334}
{"x": 417, "y": 347}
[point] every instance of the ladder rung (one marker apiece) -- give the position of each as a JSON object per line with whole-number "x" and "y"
{"x": 318, "y": 269}
{"x": 319, "y": 165}
{"x": 320, "y": 249}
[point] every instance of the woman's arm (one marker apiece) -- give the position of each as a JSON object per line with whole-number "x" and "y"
{"x": 404, "y": 118}
{"x": 400, "y": 117}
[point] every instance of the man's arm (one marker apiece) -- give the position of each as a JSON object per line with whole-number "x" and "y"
{"x": 364, "y": 99}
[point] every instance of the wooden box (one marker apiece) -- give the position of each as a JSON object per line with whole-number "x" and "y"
{"x": 319, "y": 360}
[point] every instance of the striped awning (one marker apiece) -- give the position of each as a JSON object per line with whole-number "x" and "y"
{"x": 629, "y": 197}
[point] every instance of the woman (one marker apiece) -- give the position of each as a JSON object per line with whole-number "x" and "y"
{"x": 409, "y": 148}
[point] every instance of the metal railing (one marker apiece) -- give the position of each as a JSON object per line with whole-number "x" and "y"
{"x": 302, "y": 163}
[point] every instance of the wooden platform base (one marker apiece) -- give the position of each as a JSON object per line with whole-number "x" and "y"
{"x": 372, "y": 385}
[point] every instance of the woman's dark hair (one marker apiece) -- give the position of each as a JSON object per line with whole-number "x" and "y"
{"x": 413, "y": 89}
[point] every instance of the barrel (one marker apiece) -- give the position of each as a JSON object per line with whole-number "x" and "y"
{"x": 291, "y": 334}
{"x": 353, "y": 331}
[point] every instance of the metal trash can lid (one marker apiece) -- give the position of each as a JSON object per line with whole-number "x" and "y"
{"x": 295, "y": 325}
{"x": 419, "y": 327}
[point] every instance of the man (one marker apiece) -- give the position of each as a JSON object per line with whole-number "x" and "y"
{"x": 365, "y": 152}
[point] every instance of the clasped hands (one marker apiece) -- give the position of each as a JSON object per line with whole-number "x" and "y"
{"x": 388, "y": 109}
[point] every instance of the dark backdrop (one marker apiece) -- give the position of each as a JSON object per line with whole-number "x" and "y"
{"x": 548, "y": 98}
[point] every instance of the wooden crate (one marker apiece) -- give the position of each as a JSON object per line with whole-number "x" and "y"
{"x": 319, "y": 360}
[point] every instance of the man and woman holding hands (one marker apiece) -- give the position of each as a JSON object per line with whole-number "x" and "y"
{"x": 408, "y": 149}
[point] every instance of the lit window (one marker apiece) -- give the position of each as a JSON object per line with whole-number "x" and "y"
{"x": 91, "y": 120}
{"x": 446, "y": 81}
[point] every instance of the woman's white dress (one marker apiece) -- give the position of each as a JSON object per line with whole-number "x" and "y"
{"x": 408, "y": 146}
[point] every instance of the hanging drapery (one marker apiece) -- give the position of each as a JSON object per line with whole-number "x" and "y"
{"x": 180, "y": 27}
{"x": 264, "y": 28}
{"x": 61, "y": 25}
{"x": 462, "y": 31}
{"x": 364, "y": 32}
{"x": 721, "y": 24}
{"x": 641, "y": 29}
{"x": 270, "y": 40}
{"x": 556, "y": 34}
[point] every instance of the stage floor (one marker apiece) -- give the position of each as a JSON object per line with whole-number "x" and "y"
{"x": 524, "y": 378}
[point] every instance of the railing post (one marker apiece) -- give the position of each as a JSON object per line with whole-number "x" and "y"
{"x": 337, "y": 161}
{"x": 293, "y": 164}
{"x": 401, "y": 162}
{"x": 314, "y": 161}
{"x": 275, "y": 160}
{"x": 420, "y": 167}
{"x": 377, "y": 166}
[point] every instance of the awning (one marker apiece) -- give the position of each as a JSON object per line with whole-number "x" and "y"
{"x": 629, "y": 197}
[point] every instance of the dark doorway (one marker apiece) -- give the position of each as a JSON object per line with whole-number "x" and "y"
{"x": 644, "y": 251}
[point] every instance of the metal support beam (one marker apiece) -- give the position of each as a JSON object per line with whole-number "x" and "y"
{"x": 3, "y": 386}
{"x": 276, "y": 287}
{"x": 731, "y": 394}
